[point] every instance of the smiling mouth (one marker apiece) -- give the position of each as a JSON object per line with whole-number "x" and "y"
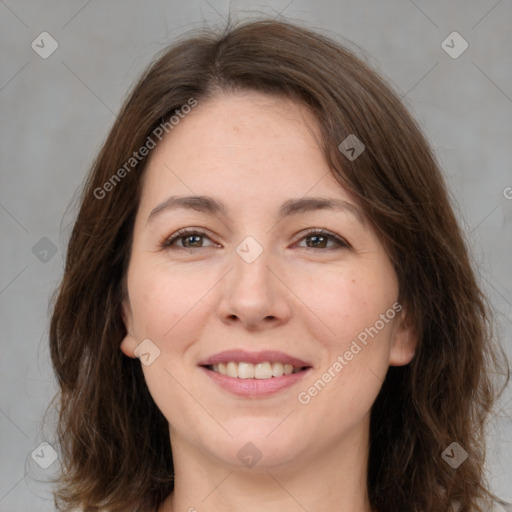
{"x": 262, "y": 371}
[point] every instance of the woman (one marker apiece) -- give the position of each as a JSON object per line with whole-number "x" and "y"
{"x": 267, "y": 300}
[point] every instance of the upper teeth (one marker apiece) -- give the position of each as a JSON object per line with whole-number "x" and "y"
{"x": 265, "y": 370}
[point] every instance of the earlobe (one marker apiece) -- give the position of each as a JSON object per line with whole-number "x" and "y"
{"x": 129, "y": 342}
{"x": 404, "y": 342}
{"x": 128, "y": 346}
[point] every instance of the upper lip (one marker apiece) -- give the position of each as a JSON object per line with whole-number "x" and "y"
{"x": 262, "y": 356}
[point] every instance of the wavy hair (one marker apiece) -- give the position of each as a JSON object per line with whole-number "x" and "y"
{"x": 114, "y": 441}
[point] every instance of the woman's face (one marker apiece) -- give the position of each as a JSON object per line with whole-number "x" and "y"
{"x": 254, "y": 281}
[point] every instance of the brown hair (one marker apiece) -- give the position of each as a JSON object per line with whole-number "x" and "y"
{"x": 115, "y": 442}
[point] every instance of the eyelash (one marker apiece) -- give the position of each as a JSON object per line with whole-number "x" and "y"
{"x": 183, "y": 233}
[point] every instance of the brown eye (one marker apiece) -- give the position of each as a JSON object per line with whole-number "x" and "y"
{"x": 317, "y": 241}
{"x": 192, "y": 240}
{"x": 320, "y": 239}
{"x": 187, "y": 239}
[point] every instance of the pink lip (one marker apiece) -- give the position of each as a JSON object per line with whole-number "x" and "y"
{"x": 241, "y": 356}
{"x": 255, "y": 388}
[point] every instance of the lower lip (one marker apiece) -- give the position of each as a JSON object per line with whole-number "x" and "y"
{"x": 255, "y": 387}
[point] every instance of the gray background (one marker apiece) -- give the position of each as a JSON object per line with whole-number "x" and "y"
{"x": 55, "y": 112}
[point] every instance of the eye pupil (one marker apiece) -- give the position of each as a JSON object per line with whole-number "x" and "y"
{"x": 195, "y": 238}
{"x": 317, "y": 238}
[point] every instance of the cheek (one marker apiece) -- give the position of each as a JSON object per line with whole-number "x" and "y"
{"x": 166, "y": 303}
{"x": 170, "y": 309}
{"x": 357, "y": 340}
{"x": 347, "y": 302}
{"x": 354, "y": 365}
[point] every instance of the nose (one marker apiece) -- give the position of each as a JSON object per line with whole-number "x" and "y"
{"x": 254, "y": 296}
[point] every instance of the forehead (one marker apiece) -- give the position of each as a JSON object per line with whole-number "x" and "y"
{"x": 246, "y": 146}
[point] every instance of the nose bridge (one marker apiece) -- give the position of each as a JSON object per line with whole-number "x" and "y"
{"x": 251, "y": 292}
{"x": 251, "y": 274}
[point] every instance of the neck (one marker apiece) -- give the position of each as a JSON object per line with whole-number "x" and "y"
{"x": 334, "y": 478}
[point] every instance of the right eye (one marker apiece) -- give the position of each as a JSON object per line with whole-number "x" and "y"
{"x": 190, "y": 239}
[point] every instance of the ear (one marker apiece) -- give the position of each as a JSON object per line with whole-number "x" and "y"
{"x": 404, "y": 342}
{"x": 129, "y": 342}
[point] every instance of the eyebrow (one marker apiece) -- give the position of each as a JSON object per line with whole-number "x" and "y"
{"x": 290, "y": 207}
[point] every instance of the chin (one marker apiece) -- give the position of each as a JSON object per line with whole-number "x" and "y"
{"x": 257, "y": 445}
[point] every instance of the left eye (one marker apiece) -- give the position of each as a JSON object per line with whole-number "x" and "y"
{"x": 320, "y": 239}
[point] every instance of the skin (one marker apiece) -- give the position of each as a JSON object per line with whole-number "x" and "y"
{"x": 305, "y": 296}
